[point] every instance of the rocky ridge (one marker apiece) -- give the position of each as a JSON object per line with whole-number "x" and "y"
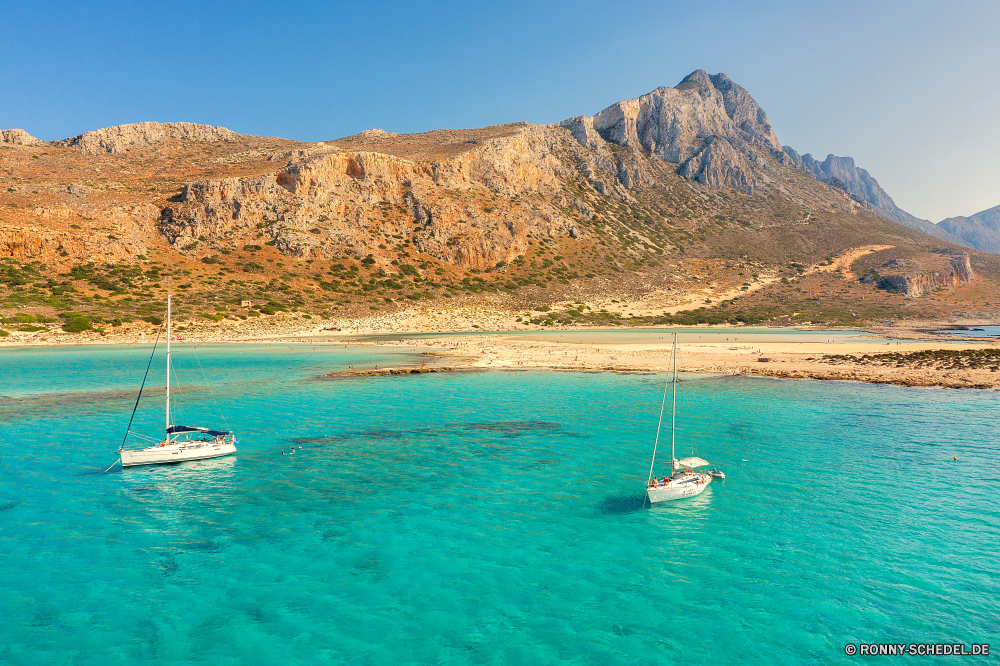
{"x": 981, "y": 231}
{"x": 842, "y": 173}
{"x": 327, "y": 201}
{"x": 709, "y": 126}
{"x": 475, "y": 201}
{"x": 116, "y": 140}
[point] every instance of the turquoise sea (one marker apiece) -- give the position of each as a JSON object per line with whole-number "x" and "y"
{"x": 484, "y": 517}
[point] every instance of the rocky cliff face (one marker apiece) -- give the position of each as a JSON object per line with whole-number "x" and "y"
{"x": 679, "y": 199}
{"x": 954, "y": 272}
{"x": 116, "y": 140}
{"x": 18, "y": 137}
{"x": 467, "y": 211}
{"x": 843, "y": 173}
{"x": 981, "y": 231}
{"x": 709, "y": 126}
{"x": 47, "y": 239}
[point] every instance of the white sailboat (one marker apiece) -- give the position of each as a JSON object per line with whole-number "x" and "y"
{"x": 683, "y": 480}
{"x": 181, "y": 442}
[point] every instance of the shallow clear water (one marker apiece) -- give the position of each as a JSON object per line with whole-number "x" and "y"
{"x": 976, "y": 332}
{"x": 485, "y": 517}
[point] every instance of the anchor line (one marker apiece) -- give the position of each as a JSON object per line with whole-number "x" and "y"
{"x": 139, "y": 397}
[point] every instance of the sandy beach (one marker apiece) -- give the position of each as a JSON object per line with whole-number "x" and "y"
{"x": 752, "y": 352}
{"x": 781, "y": 353}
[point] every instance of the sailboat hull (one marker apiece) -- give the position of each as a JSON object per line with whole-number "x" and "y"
{"x": 172, "y": 453}
{"x": 676, "y": 491}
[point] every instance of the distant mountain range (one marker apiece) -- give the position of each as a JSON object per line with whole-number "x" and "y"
{"x": 980, "y": 231}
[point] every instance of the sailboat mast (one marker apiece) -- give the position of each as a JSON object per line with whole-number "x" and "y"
{"x": 656, "y": 443}
{"x": 168, "y": 365}
{"x": 673, "y": 412}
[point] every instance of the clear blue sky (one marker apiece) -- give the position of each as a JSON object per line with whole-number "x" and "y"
{"x": 910, "y": 89}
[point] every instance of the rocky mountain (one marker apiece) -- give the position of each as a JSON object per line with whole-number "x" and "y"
{"x": 841, "y": 172}
{"x": 708, "y": 125}
{"x": 981, "y": 231}
{"x": 548, "y": 179}
{"x": 684, "y": 194}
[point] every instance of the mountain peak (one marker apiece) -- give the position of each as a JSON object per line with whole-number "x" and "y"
{"x": 708, "y": 125}
{"x": 697, "y": 77}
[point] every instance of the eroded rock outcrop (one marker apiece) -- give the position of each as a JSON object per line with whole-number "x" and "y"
{"x": 116, "y": 140}
{"x": 49, "y": 242}
{"x": 955, "y": 271}
{"x": 464, "y": 211}
{"x": 18, "y": 137}
{"x": 474, "y": 197}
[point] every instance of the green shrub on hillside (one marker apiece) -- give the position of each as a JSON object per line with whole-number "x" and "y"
{"x": 77, "y": 324}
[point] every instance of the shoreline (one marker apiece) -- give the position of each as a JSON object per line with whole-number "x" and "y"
{"x": 914, "y": 355}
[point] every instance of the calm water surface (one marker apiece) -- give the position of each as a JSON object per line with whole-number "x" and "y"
{"x": 976, "y": 332}
{"x": 484, "y": 517}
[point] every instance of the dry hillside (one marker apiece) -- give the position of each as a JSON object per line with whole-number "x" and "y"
{"x": 679, "y": 206}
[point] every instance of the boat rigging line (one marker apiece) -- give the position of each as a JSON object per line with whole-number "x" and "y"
{"x": 204, "y": 377}
{"x": 139, "y": 397}
{"x": 663, "y": 404}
